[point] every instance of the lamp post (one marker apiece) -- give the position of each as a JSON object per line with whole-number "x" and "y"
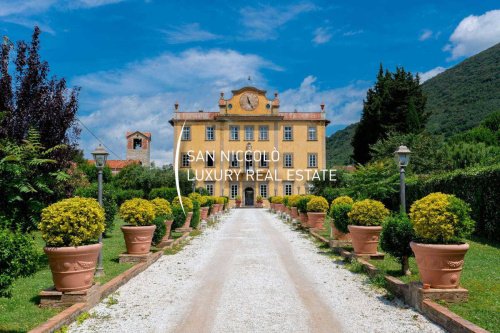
{"x": 100, "y": 156}
{"x": 402, "y": 155}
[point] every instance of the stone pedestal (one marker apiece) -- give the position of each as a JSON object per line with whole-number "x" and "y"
{"x": 183, "y": 230}
{"x": 418, "y": 294}
{"x": 339, "y": 243}
{"x": 164, "y": 243}
{"x": 52, "y": 298}
{"x": 134, "y": 258}
{"x": 376, "y": 256}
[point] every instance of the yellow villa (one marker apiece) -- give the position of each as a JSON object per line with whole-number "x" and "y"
{"x": 249, "y": 147}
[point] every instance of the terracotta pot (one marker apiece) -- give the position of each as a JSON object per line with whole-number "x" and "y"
{"x": 279, "y": 207}
{"x": 73, "y": 267}
{"x": 365, "y": 239}
{"x": 259, "y": 205}
{"x": 303, "y": 220}
{"x": 339, "y": 235}
{"x": 272, "y": 206}
{"x": 203, "y": 213}
{"x": 294, "y": 213}
{"x": 168, "y": 225}
{"x": 316, "y": 220}
{"x": 187, "y": 222}
{"x": 238, "y": 204}
{"x": 138, "y": 239}
{"x": 288, "y": 211}
{"x": 440, "y": 265}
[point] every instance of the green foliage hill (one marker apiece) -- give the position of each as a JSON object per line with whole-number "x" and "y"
{"x": 338, "y": 146}
{"x": 462, "y": 96}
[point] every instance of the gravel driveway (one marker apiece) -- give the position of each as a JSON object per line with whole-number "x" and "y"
{"x": 250, "y": 273}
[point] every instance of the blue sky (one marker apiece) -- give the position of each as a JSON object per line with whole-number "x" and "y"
{"x": 134, "y": 59}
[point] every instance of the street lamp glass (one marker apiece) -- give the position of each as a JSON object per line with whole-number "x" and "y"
{"x": 100, "y": 156}
{"x": 402, "y": 156}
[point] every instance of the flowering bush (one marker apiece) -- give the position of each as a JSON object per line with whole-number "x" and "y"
{"x": 293, "y": 200}
{"x": 72, "y": 222}
{"x": 441, "y": 218}
{"x": 205, "y": 201}
{"x": 368, "y": 212}
{"x": 277, "y": 200}
{"x": 186, "y": 203}
{"x": 162, "y": 207}
{"x": 138, "y": 212}
{"x": 221, "y": 200}
{"x": 194, "y": 196}
{"x": 317, "y": 205}
{"x": 343, "y": 200}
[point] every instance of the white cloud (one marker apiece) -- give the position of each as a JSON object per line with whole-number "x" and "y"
{"x": 12, "y": 7}
{"x": 141, "y": 95}
{"x": 342, "y": 105}
{"x": 431, "y": 73}
{"x": 188, "y": 33}
{"x": 425, "y": 35}
{"x": 474, "y": 34}
{"x": 353, "y": 32}
{"x": 262, "y": 22}
{"x": 322, "y": 35}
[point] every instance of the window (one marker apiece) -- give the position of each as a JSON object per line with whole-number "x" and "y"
{"x": 235, "y": 133}
{"x": 137, "y": 143}
{"x": 311, "y": 133}
{"x": 312, "y": 160}
{"x": 249, "y": 133}
{"x": 287, "y": 190}
{"x": 287, "y": 160}
{"x": 210, "y": 189}
{"x": 185, "y": 160}
{"x": 234, "y": 191}
{"x": 210, "y": 133}
{"x": 263, "y": 133}
{"x": 186, "y": 133}
{"x": 210, "y": 159}
{"x": 264, "y": 160}
{"x": 248, "y": 161}
{"x": 288, "y": 133}
{"x": 263, "y": 190}
{"x": 234, "y": 161}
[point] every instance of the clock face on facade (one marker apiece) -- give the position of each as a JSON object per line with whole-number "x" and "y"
{"x": 249, "y": 101}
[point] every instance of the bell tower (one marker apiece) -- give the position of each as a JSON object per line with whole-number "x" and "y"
{"x": 139, "y": 147}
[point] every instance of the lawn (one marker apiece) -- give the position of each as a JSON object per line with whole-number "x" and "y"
{"x": 21, "y": 312}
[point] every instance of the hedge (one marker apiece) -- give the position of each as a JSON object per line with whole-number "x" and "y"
{"x": 168, "y": 193}
{"x": 478, "y": 186}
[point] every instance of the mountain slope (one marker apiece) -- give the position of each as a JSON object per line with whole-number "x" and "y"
{"x": 462, "y": 96}
{"x": 338, "y": 146}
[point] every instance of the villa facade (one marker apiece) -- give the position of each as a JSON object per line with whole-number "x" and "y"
{"x": 249, "y": 147}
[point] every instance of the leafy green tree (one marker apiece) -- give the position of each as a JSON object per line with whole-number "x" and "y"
{"x": 376, "y": 180}
{"x": 395, "y": 104}
{"x": 397, "y": 233}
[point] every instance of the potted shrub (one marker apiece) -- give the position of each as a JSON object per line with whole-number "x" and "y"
{"x": 271, "y": 203}
{"x": 278, "y": 203}
{"x": 205, "y": 204}
{"x": 163, "y": 220}
{"x": 397, "y": 233}
{"x": 259, "y": 201}
{"x": 70, "y": 229}
{"x": 138, "y": 215}
{"x": 302, "y": 208}
{"x": 441, "y": 223}
{"x": 238, "y": 201}
{"x": 188, "y": 209}
{"x": 316, "y": 212}
{"x": 293, "y": 201}
{"x": 365, "y": 220}
{"x": 339, "y": 209}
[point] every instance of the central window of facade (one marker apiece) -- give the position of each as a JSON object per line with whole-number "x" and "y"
{"x": 210, "y": 133}
{"x": 287, "y": 190}
{"x": 263, "y": 133}
{"x": 210, "y": 159}
{"x": 235, "y": 133}
{"x": 234, "y": 161}
{"x": 249, "y": 133}
{"x": 186, "y": 133}
{"x": 264, "y": 160}
{"x": 288, "y": 133}
{"x": 248, "y": 162}
{"x": 263, "y": 190}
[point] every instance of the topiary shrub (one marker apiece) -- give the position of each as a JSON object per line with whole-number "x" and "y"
{"x": 18, "y": 257}
{"x": 441, "y": 219}
{"x": 186, "y": 203}
{"x": 195, "y": 220}
{"x": 259, "y": 199}
{"x": 205, "y": 201}
{"x": 343, "y": 200}
{"x": 277, "y": 200}
{"x": 108, "y": 201}
{"x": 72, "y": 222}
{"x": 397, "y": 233}
{"x": 367, "y": 212}
{"x": 160, "y": 229}
{"x": 162, "y": 208}
{"x": 137, "y": 212}
{"x": 194, "y": 196}
{"x": 285, "y": 200}
{"x": 339, "y": 214}
{"x": 293, "y": 200}
{"x": 168, "y": 193}
{"x": 317, "y": 205}
{"x": 302, "y": 204}
{"x": 178, "y": 216}
{"x": 124, "y": 195}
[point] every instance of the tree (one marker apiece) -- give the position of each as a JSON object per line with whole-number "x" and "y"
{"x": 397, "y": 233}
{"x": 36, "y": 102}
{"x": 395, "y": 104}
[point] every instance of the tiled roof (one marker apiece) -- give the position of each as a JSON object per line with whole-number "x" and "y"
{"x": 212, "y": 115}
{"x": 117, "y": 164}
{"x": 146, "y": 134}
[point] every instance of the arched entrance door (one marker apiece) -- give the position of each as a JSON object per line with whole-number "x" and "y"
{"x": 249, "y": 196}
